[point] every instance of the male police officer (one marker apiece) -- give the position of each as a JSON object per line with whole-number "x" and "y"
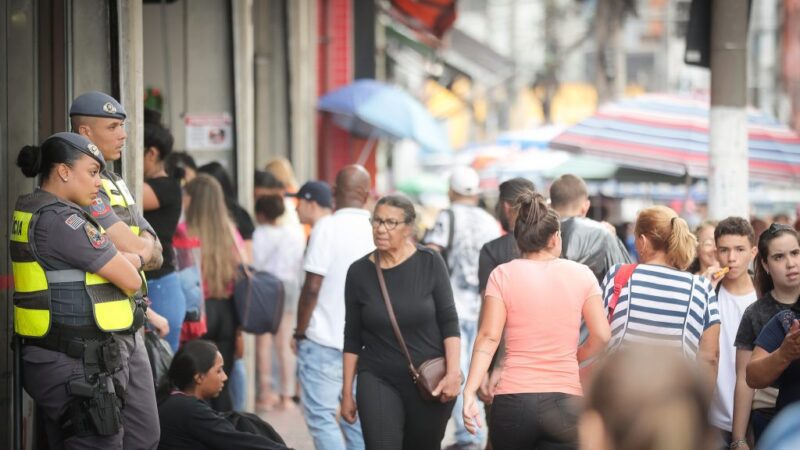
{"x": 101, "y": 119}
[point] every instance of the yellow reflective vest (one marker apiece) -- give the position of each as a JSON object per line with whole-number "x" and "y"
{"x": 112, "y": 309}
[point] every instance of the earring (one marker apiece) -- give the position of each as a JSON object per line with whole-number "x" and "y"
{"x": 64, "y": 179}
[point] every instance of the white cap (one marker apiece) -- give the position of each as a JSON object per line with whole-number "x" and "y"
{"x": 465, "y": 181}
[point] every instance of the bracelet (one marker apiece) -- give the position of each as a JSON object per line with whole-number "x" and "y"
{"x": 299, "y": 336}
{"x": 737, "y": 443}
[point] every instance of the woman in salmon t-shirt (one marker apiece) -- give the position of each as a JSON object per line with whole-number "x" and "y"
{"x": 539, "y": 301}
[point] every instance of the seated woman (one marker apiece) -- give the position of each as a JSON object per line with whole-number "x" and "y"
{"x": 187, "y": 421}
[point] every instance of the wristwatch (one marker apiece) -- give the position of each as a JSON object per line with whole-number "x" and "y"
{"x": 298, "y": 336}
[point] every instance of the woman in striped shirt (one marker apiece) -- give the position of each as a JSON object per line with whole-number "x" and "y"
{"x": 661, "y": 304}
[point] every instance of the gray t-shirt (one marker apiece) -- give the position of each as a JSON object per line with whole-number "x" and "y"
{"x": 754, "y": 319}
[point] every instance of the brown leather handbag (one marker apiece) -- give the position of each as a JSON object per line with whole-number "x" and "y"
{"x": 431, "y": 372}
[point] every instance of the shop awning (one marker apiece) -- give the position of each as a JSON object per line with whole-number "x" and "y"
{"x": 669, "y": 134}
{"x": 431, "y": 16}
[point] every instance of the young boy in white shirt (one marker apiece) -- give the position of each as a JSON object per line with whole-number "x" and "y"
{"x": 730, "y": 406}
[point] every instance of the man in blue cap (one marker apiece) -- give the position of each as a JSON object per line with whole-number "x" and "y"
{"x": 314, "y": 201}
{"x": 101, "y": 118}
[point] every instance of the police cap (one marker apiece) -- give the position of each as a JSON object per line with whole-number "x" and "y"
{"x": 97, "y": 104}
{"x": 79, "y": 143}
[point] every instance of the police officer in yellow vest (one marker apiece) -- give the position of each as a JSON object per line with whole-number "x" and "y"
{"x": 73, "y": 290}
{"x": 101, "y": 119}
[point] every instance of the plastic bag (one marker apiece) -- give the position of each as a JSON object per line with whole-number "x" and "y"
{"x": 160, "y": 354}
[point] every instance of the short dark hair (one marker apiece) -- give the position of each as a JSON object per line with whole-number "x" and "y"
{"x": 536, "y": 222}
{"x": 177, "y": 162}
{"x": 736, "y": 226}
{"x": 402, "y": 202}
{"x": 566, "y": 190}
{"x": 270, "y": 206}
{"x": 265, "y": 179}
{"x": 158, "y": 137}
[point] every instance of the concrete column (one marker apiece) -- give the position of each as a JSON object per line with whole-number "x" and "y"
{"x": 728, "y": 177}
{"x": 131, "y": 90}
{"x": 243, "y": 98}
{"x": 303, "y": 86}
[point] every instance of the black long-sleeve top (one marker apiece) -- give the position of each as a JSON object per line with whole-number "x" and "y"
{"x": 188, "y": 423}
{"x": 422, "y": 299}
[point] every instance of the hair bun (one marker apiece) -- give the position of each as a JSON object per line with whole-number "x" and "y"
{"x": 29, "y": 160}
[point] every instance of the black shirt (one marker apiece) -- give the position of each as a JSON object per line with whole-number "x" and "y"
{"x": 493, "y": 253}
{"x": 422, "y": 299}
{"x": 188, "y": 423}
{"x": 754, "y": 319}
{"x": 165, "y": 219}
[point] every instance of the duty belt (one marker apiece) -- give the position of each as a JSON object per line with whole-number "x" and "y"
{"x": 67, "y": 339}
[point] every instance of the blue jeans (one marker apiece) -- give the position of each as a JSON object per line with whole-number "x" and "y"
{"x": 319, "y": 370}
{"x": 469, "y": 330}
{"x": 238, "y": 385}
{"x": 167, "y": 300}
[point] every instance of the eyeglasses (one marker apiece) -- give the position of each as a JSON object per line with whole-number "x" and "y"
{"x": 390, "y": 224}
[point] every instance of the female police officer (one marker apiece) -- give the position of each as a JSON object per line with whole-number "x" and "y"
{"x": 72, "y": 289}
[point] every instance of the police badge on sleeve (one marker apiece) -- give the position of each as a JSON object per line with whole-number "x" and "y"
{"x": 97, "y": 239}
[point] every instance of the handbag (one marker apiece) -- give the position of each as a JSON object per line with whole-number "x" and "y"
{"x": 258, "y": 298}
{"x": 431, "y": 372}
{"x": 160, "y": 355}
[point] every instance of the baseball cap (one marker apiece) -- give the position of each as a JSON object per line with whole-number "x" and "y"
{"x": 316, "y": 191}
{"x": 465, "y": 181}
{"x": 97, "y": 104}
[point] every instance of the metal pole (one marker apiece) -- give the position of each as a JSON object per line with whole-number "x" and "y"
{"x": 728, "y": 177}
{"x": 17, "y": 395}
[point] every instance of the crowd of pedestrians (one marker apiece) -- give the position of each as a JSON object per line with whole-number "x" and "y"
{"x": 532, "y": 328}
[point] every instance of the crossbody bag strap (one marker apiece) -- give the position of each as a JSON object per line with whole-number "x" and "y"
{"x": 392, "y": 318}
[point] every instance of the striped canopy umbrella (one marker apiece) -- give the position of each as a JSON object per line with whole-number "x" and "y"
{"x": 669, "y": 134}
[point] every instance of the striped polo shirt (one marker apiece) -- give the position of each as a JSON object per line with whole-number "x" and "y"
{"x": 662, "y": 306}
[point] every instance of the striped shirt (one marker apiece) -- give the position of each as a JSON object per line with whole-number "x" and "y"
{"x": 660, "y": 311}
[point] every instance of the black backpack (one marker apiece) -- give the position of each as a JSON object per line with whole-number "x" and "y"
{"x": 251, "y": 423}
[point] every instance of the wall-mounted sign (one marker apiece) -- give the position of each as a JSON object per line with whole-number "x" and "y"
{"x": 208, "y": 131}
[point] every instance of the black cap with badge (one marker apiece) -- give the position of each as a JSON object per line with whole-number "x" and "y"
{"x": 97, "y": 104}
{"x": 316, "y": 191}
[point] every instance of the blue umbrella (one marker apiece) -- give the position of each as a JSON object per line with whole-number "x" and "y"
{"x": 373, "y": 109}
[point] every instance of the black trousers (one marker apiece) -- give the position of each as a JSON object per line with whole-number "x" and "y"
{"x": 394, "y": 416}
{"x": 221, "y": 323}
{"x": 542, "y": 421}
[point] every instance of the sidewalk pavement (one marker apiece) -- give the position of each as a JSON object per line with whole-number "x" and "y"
{"x": 292, "y": 427}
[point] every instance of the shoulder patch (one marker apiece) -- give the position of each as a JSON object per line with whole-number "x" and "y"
{"x": 99, "y": 208}
{"x": 96, "y": 238}
{"x": 74, "y": 221}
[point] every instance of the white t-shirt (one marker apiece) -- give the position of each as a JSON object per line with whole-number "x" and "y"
{"x": 731, "y": 309}
{"x": 336, "y": 242}
{"x": 279, "y": 251}
{"x": 472, "y": 228}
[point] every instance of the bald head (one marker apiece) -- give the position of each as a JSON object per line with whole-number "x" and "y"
{"x": 352, "y": 187}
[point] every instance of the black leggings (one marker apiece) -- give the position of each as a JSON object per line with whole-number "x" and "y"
{"x": 394, "y": 416}
{"x": 544, "y": 421}
{"x": 222, "y": 323}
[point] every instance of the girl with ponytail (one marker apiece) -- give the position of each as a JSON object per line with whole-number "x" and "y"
{"x": 661, "y": 304}
{"x": 538, "y": 302}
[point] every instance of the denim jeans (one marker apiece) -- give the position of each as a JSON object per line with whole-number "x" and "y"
{"x": 545, "y": 421}
{"x": 319, "y": 370}
{"x": 469, "y": 330}
{"x": 167, "y": 300}
{"x": 238, "y": 385}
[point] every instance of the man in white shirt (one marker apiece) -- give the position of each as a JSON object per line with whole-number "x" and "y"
{"x": 732, "y": 401}
{"x": 336, "y": 242}
{"x": 459, "y": 234}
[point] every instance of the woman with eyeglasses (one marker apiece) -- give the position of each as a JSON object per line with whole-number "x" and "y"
{"x": 706, "y": 259}
{"x": 767, "y": 340}
{"x": 393, "y": 414}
